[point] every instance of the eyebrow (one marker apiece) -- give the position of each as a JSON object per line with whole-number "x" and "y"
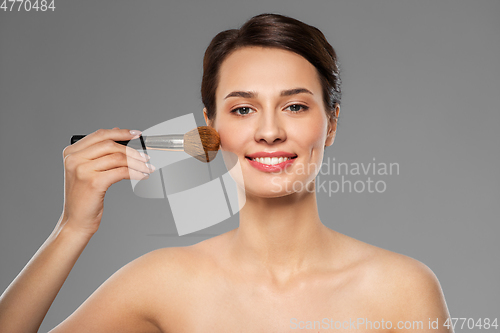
{"x": 252, "y": 94}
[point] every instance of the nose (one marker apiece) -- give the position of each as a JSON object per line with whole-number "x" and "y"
{"x": 269, "y": 128}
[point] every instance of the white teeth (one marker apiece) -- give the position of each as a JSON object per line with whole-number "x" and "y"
{"x": 271, "y": 160}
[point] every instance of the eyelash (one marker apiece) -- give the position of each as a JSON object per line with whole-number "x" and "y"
{"x": 304, "y": 108}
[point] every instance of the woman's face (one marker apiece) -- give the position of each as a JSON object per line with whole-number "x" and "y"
{"x": 269, "y": 104}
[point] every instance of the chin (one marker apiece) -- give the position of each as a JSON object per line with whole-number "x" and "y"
{"x": 266, "y": 195}
{"x": 278, "y": 187}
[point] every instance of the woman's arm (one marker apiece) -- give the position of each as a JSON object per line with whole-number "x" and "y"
{"x": 124, "y": 303}
{"x": 91, "y": 166}
{"x": 26, "y": 301}
{"x": 129, "y": 301}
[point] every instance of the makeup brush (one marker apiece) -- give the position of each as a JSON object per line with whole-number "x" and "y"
{"x": 203, "y": 149}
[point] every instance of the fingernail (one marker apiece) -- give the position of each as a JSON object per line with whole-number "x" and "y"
{"x": 151, "y": 167}
{"x": 145, "y": 174}
{"x": 135, "y": 132}
{"x": 147, "y": 157}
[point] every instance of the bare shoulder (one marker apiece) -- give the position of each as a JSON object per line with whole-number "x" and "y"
{"x": 401, "y": 287}
{"x": 404, "y": 277}
{"x": 181, "y": 265}
{"x": 173, "y": 270}
{"x": 139, "y": 297}
{"x": 163, "y": 260}
{"x": 384, "y": 265}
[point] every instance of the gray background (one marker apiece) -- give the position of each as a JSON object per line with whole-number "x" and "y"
{"x": 421, "y": 88}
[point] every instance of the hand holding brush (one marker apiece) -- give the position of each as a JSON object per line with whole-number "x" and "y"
{"x": 202, "y": 142}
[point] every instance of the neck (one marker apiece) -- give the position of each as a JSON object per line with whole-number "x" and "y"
{"x": 281, "y": 236}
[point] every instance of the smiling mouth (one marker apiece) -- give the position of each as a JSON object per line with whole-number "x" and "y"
{"x": 271, "y": 160}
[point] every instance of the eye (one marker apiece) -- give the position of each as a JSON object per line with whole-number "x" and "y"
{"x": 297, "y": 108}
{"x": 241, "y": 111}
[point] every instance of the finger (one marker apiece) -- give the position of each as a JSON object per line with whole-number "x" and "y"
{"x": 101, "y": 135}
{"x": 107, "y": 147}
{"x": 118, "y": 160}
{"x": 109, "y": 177}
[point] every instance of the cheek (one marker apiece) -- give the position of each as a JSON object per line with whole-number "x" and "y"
{"x": 312, "y": 134}
{"x": 232, "y": 138}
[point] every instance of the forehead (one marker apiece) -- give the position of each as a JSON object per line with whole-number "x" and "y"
{"x": 266, "y": 70}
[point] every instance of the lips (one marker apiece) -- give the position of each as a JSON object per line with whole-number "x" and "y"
{"x": 271, "y": 154}
{"x": 290, "y": 158}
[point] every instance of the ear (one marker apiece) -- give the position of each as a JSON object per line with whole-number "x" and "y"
{"x": 332, "y": 126}
{"x": 207, "y": 121}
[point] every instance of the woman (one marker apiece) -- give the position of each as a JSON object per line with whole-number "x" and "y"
{"x": 272, "y": 91}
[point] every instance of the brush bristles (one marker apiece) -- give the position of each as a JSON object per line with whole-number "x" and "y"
{"x": 206, "y": 150}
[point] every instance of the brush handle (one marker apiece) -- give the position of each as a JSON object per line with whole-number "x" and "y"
{"x": 162, "y": 142}
{"x": 136, "y": 143}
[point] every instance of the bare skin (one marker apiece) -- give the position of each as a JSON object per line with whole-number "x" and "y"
{"x": 281, "y": 270}
{"x": 200, "y": 288}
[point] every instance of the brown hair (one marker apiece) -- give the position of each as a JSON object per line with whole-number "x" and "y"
{"x": 273, "y": 30}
